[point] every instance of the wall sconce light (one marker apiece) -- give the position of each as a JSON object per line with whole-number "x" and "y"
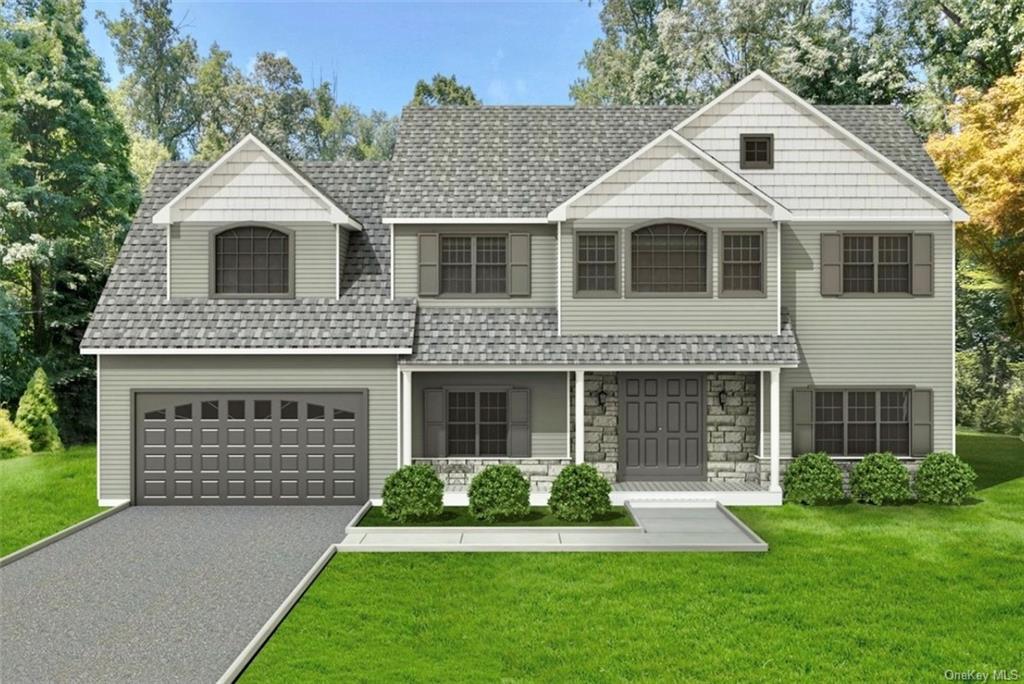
{"x": 721, "y": 398}
{"x": 602, "y": 397}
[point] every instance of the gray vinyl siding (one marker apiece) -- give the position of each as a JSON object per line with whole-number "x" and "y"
{"x": 543, "y": 253}
{"x": 120, "y": 375}
{"x": 548, "y": 406}
{"x": 869, "y": 341}
{"x": 314, "y": 261}
{"x": 667, "y": 315}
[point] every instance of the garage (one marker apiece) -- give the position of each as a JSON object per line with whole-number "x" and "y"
{"x": 222, "y": 448}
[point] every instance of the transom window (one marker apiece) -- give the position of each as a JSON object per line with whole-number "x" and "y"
{"x": 669, "y": 258}
{"x": 876, "y": 263}
{"x": 251, "y": 260}
{"x": 597, "y": 262}
{"x": 474, "y": 264}
{"x": 757, "y": 151}
{"x": 859, "y": 422}
{"x": 742, "y": 263}
{"x": 477, "y": 423}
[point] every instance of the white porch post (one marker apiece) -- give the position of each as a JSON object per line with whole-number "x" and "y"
{"x": 579, "y": 416}
{"x": 774, "y": 422}
{"x": 406, "y": 436}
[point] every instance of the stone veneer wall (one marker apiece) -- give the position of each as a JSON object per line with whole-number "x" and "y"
{"x": 600, "y": 423}
{"x": 732, "y": 429}
{"x": 457, "y": 472}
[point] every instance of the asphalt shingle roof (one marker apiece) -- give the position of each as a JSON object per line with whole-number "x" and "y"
{"x": 510, "y": 162}
{"x": 493, "y": 336}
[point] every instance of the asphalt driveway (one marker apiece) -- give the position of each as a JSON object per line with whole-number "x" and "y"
{"x": 156, "y": 594}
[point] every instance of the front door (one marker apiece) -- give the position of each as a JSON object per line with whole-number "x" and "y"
{"x": 661, "y": 427}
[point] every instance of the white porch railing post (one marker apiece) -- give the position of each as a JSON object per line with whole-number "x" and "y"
{"x": 406, "y": 436}
{"x": 775, "y": 394}
{"x": 579, "y": 416}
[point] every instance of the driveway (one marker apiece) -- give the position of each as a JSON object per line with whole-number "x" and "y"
{"x": 156, "y": 594}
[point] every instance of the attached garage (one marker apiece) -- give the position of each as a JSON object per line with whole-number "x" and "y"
{"x": 250, "y": 447}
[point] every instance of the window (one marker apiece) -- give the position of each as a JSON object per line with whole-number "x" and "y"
{"x": 742, "y": 263}
{"x": 876, "y": 264}
{"x": 597, "y": 263}
{"x": 669, "y": 258}
{"x": 757, "y": 151}
{"x": 477, "y": 423}
{"x": 251, "y": 260}
{"x": 474, "y": 265}
{"x": 860, "y": 422}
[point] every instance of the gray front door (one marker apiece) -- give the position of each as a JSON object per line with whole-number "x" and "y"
{"x": 251, "y": 448}
{"x": 661, "y": 427}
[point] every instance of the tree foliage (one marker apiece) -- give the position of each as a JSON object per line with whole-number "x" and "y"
{"x": 35, "y": 414}
{"x": 442, "y": 90}
{"x": 13, "y": 441}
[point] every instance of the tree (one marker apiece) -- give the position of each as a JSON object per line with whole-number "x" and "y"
{"x": 145, "y": 153}
{"x": 35, "y": 414}
{"x": 13, "y": 441}
{"x": 161, "y": 65}
{"x": 983, "y": 160}
{"x": 442, "y": 90}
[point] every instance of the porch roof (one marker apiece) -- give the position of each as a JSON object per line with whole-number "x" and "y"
{"x": 481, "y": 336}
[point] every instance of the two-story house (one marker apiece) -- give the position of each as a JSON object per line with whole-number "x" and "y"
{"x": 686, "y": 298}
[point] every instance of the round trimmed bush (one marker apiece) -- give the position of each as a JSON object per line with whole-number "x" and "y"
{"x": 413, "y": 492}
{"x": 813, "y": 479}
{"x": 580, "y": 494}
{"x": 880, "y": 479}
{"x": 499, "y": 492}
{"x": 944, "y": 478}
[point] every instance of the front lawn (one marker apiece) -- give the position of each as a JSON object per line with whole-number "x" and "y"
{"x": 850, "y": 592}
{"x": 43, "y": 493}
{"x": 458, "y": 516}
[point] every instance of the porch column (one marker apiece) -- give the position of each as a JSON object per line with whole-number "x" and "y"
{"x": 579, "y": 416}
{"x": 406, "y": 436}
{"x": 774, "y": 422}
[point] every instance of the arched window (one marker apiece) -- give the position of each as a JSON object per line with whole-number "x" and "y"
{"x": 669, "y": 258}
{"x": 252, "y": 260}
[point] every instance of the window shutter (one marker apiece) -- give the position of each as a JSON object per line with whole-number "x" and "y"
{"x": 519, "y": 264}
{"x": 519, "y": 423}
{"x": 831, "y": 264}
{"x": 803, "y": 421}
{"x": 921, "y": 422}
{"x": 434, "y": 437}
{"x": 429, "y": 264}
{"x": 922, "y": 272}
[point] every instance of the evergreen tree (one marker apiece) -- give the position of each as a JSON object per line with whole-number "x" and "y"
{"x": 35, "y": 414}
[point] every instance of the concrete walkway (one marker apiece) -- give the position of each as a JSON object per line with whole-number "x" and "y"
{"x": 661, "y": 528}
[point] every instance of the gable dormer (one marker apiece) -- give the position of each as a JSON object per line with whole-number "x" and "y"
{"x": 252, "y": 226}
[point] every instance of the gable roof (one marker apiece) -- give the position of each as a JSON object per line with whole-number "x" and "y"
{"x": 522, "y": 162}
{"x": 332, "y": 212}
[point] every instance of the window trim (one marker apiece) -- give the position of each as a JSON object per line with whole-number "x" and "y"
{"x": 627, "y": 248}
{"x": 757, "y": 165}
{"x": 477, "y": 390}
{"x": 875, "y": 294}
{"x": 742, "y": 294}
{"x": 472, "y": 267}
{"x": 212, "y": 263}
{"x": 596, "y": 294}
{"x": 877, "y": 390}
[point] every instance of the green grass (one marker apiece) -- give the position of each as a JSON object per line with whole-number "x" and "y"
{"x": 458, "y": 516}
{"x": 996, "y": 458}
{"x": 43, "y": 493}
{"x": 851, "y": 593}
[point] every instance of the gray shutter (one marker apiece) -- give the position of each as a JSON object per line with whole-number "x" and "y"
{"x": 519, "y": 423}
{"x": 803, "y": 421}
{"x": 922, "y": 272}
{"x": 434, "y": 438}
{"x": 831, "y": 264}
{"x": 429, "y": 264}
{"x": 519, "y": 264}
{"x": 920, "y": 422}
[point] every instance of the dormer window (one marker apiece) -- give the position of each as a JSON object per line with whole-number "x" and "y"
{"x": 757, "y": 151}
{"x": 252, "y": 261}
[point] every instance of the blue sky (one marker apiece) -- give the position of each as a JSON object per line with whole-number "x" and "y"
{"x": 509, "y": 52}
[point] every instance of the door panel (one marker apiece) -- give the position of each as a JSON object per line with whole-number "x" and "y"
{"x": 662, "y": 436}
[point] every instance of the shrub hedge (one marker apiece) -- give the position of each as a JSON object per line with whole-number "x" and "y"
{"x": 880, "y": 479}
{"x": 944, "y": 478}
{"x": 580, "y": 493}
{"x": 413, "y": 492}
{"x": 813, "y": 479}
{"x": 499, "y": 492}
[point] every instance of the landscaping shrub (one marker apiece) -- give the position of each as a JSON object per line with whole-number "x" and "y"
{"x": 499, "y": 492}
{"x": 880, "y": 479}
{"x": 13, "y": 441}
{"x": 944, "y": 478}
{"x": 35, "y": 414}
{"x": 413, "y": 492}
{"x": 580, "y": 494}
{"x": 813, "y": 479}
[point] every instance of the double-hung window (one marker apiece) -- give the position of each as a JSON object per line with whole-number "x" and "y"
{"x": 474, "y": 265}
{"x": 477, "y": 423}
{"x": 859, "y": 422}
{"x": 876, "y": 264}
{"x": 742, "y": 263}
{"x": 597, "y": 268}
